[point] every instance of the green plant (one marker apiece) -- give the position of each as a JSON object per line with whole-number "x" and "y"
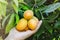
{"x": 49, "y": 14}
{"x": 3, "y": 4}
{"x": 11, "y": 16}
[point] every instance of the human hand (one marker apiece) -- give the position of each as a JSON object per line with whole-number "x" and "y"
{"x": 16, "y": 35}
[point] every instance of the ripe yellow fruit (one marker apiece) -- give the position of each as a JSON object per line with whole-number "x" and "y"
{"x": 26, "y": 28}
{"x": 35, "y": 18}
{"x": 28, "y": 14}
{"x": 22, "y": 24}
{"x": 32, "y": 24}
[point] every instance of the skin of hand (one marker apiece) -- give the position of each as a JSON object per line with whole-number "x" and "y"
{"x": 16, "y": 35}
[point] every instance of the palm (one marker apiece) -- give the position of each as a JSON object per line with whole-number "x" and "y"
{"x": 16, "y": 35}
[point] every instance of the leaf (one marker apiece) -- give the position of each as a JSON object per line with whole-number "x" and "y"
{"x": 21, "y": 1}
{"x": 55, "y": 1}
{"x": 10, "y": 24}
{"x": 24, "y": 7}
{"x": 4, "y": 20}
{"x": 16, "y": 2}
{"x": 30, "y": 2}
{"x": 57, "y": 25}
{"x": 52, "y": 7}
{"x": 15, "y": 8}
{"x": 1, "y": 38}
{"x": 59, "y": 38}
{"x": 40, "y": 2}
{"x": 47, "y": 26}
{"x": 37, "y": 14}
{"x": 3, "y": 9}
{"x": 20, "y": 13}
{"x": 17, "y": 18}
{"x": 3, "y": 1}
{"x": 40, "y": 31}
{"x": 54, "y": 38}
{"x": 33, "y": 2}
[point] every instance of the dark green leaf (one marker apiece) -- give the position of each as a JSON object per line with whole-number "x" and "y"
{"x": 37, "y": 14}
{"x": 57, "y": 25}
{"x": 40, "y": 2}
{"x": 40, "y": 31}
{"x": 30, "y": 2}
{"x": 20, "y": 13}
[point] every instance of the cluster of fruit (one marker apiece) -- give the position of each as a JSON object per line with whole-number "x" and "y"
{"x": 29, "y": 22}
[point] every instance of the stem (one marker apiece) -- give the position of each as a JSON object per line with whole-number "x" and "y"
{"x": 34, "y": 5}
{"x": 42, "y": 16}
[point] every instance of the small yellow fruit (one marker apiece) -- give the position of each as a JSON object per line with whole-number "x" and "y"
{"x": 32, "y": 24}
{"x": 35, "y": 18}
{"x": 22, "y": 24}
{"x": 26, "y": 28}
{"x": 28, "y": 14}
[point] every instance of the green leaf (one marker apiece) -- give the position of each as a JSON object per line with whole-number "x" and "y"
{"x": 15, "y": 8}
{"x": 17, "y": 18}
{"x": 3, "y": 1}
{"x": 40, "y": 2}
{"x": 35, "y": 2}
{"x": 37, "y": 14}
{"x": 40, "y": 31}
{"x": 55, "y": 1}
{"x": 59, "y": 38}
{"x": 49, "y": 28}
{"x": 4, "y": 20}
{"x": 24, "y": 7}
{"x": 1, "y": 38}
{"x": 21, "y": 1}
{"x": 52, "y": 7}
{"x": 20, "y": 13}
{"x": 10, "y": 24}
{"x": 54, "y": 38}
{"x": 30, "y": 2}
{"x": 16, "y": 2}
{"x": 3, "y": 9}
{"x": 57, "y": 25}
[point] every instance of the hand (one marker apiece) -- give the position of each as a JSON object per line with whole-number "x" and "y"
{"x": 16, "y": 35}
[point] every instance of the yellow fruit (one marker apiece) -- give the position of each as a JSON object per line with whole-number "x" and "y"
{"x": 35, "y": 18}
{"x": 22, "y": 24}
{"x": 26, "y": 28}
{"x": 28, "y": 14}
{"x": 32, "y": 24}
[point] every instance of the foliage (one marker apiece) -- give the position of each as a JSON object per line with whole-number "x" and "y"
{"x": 1, "y": 38}
{"x": 10, "y": 24}
{"x": 3, "y": 5}
{"x": 49, "y": 13}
